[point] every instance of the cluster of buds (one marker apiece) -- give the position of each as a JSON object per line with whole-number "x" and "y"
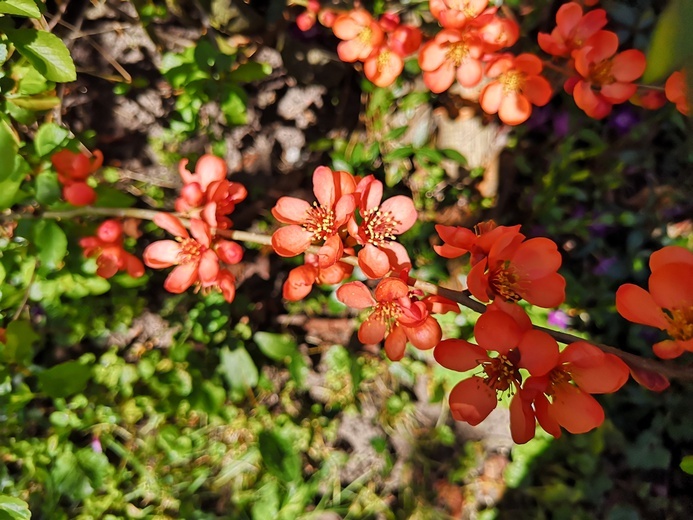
{"x": 558, "y": 392}
{"x": 201, "y": 257}
{"x": 73, "y": 171}
{"x": 107, "y": 247}
{"x": 348, "y": 212}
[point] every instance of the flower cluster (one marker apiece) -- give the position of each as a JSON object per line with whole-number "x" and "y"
{"x": 505, "y": 266}
{"x": 348, "y": 212}
{"x": 201, "y": 257}
{"x": 668, "y": 305}
{"x": 107, "y": 247}
{"x": 557, "y": 392}
{"x": 380, "y": 44}
{"x": 399, "y": 315}
{"x": 207, "y": 193}
{"x": 73, "y": 171}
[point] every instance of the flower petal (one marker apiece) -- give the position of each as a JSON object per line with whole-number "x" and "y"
{"x": 472, "y": 400}
{"x": 637, "y": 305}
{"x": 459, "y": 355}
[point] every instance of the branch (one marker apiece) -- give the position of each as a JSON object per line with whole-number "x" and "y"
{"x": 670, "y": 371}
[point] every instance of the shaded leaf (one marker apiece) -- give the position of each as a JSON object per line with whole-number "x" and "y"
{"x": 51, "y": 242}
{"x": 275, "y": 346}
{"x": 281, "y": 459}
{"x": 46, "y": 52}
{"x": 65, "y": 379}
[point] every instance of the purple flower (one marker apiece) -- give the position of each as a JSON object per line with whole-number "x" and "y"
{"x": 559, "y": 319}
{"x": 96, "y": 445}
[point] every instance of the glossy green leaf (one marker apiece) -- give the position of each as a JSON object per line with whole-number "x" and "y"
{"x": 671, "y": 45}
{"x": 20, "y": 337}
{"x": 8, "y": 149}
{"x": 49, "y": 138}
{"x": 47, "y": 188}
{"x": 51, "y": 242}
{"x": 12, "y": 508}
{"x": 275, "y": 346}
{"x": 46, "y": 52}
{"x": 26, "y": 8}
{"x": 251, "y": 71}
{"x": 11, "y": 180}
{"x": 687, "y": 464}
{"x": 65, "y": 379}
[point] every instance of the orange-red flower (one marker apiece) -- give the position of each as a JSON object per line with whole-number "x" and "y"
{"x": 195, "y": 260}
{"x": 517, "y": 269}
{"x": 451, "y": 54}
{"x": 207, "y": 192}
{"x": 562, "y": 397}
{"x": 398, "y": 316}
{"x": 379, "y": 227}
{"x": 383, "y": 66}
{"x": 506, "y": 330}
{"x": 518, "y": 86}
{"x": 361, "y": 34}
{"x": 107, "y": 247}
{"x": 495, "y": 32}
{"x": 572, "y": 30}
{"x": 669, "y": 303}
{"x": 675, "y": 90}
{"x": 73, "y": 170}
{"x": 605, "y": 78}
{"x": 459, "y": 241}
{"x": 301, "y": 279}
{"x": 455, "y": 14}
{"x": 320, "y": 222}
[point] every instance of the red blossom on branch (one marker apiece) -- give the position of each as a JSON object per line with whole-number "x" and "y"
{"x": 107, "y": 248}
{"x": 668, "y": 305}
{"x": 73, "y": 170}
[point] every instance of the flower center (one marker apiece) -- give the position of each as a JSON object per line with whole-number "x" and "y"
{"x": 190, "y": 251}
{"x": 387, "y": 312}
{"x": 512, "y": 81}
{"x": 379, "y": 227}
{"x": 383, "y": 60}
{"x": 558, "y": 376}
{"x": 320, "y": 222}
{"x": 681, "y": 323}
{"x": 600, "y": 73}
{"x": 505, "y": 282}
{"x": 366, "y": 35}
{"x": 502, "y": 372}
{"x": 457, "y": 52}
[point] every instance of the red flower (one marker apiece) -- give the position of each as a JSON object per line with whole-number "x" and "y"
{"x": 459, "y": 241}
{"x": 605, "y": 78}
{"x": 194, "y": 259}
{"x": 361, "y": 35}
{"x": 301, "y": 279}
{"x": 383, "y": 66}
{"x": 518, "y": 87}
{"x": 380, "y": 225}
{"x": 321, "y": 221}
{"x": 562, "y": 396}
{"x": 455, "y": 14}
{"x": 451, "y": 54}
{"x": 506, "y": 330}
{"x": 669, "y": 303}
{"x": 73, "y": 170}
{"x": 517, "y": 269}
{"x": 572, "y": 29}
{"x": 107, "y": 247}
{"x": 397, "y": 316}
{"x": 675, "y": 90}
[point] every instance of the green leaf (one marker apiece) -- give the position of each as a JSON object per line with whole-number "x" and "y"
{"x": 18, "y": 347}
{"x": 109, "y": 197}
{"x": 251, "y": 71}
{"x": 233, "y": 105}
{"x": 51, "y": 242}
{"x": 279, "y": 456}
{"x": 671, "y": 45}
{"x": 47, "y": 188}
{"x": 48, "y": 138}
{"x": 36, "y": 103}
{"x": 65, "y": 379}
{"x": 687, "y": 464}
{"x": 238, "y": 368}
{"x": 46, "y": 52}
{"x": 11, "y": 180}
{"x": 20, "y": 8}
{"x": 275, "y": 346}
{"x": 267, "y": 504}
{"x": 455, "y": 156}
{"x": 399, "y": 153}
{"x": 8, "y": 149}
{"x": 12, "y": 508}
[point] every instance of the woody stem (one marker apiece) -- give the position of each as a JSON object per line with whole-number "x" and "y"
{"x": 684, "y": 373}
